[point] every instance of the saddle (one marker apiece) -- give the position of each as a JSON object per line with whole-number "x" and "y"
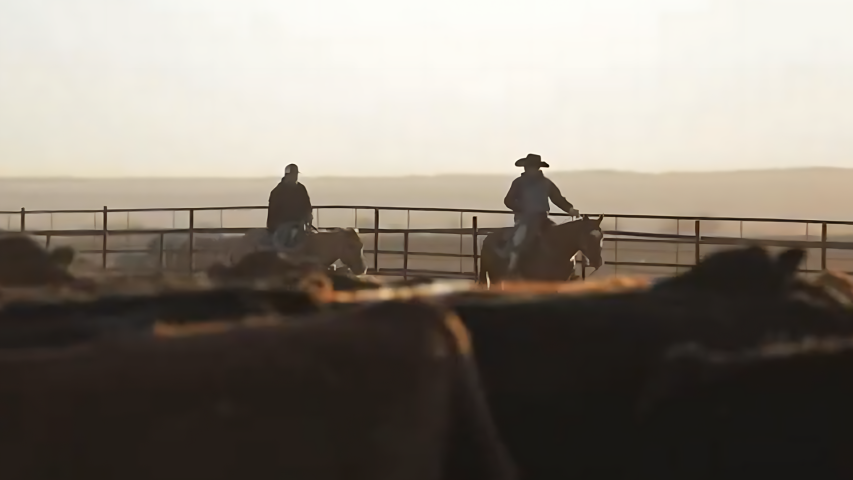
{"x": 505, "y": 245}
{"x": 289, "y": 237}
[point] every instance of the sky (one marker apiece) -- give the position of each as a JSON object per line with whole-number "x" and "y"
{"x": 240, "y": 88}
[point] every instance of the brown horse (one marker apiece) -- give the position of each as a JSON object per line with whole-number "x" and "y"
{"x": 551, "y": 259}
{"x": 322, "y": 248}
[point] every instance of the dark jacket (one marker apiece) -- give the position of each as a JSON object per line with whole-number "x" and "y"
{"x": 529, "y": 194}
{"x": 289, "y": 202}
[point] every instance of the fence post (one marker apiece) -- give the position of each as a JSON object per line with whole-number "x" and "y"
{"x": 192, "y": 240}
{"x": 461, "y": 236}
{"x": 677, "y": 245}
{"x": 160, "y": 251}
{"x": 406, "y": 255}
{"x": 696, "y": 244}
{"x": 475, "y": 248}
{"x": 23, "y": 219}
{"x": 616, "y": 247}
{"x": 375, "y": 241}
{"x": 104, "y": 234}
{"x": 583, "y": 266}
{"x": 823, "y": 246}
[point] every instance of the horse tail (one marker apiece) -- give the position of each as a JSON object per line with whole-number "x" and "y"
{"x": 487, "y": 259}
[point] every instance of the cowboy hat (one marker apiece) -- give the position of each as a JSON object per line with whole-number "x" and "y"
{"x": 531, "y": 159}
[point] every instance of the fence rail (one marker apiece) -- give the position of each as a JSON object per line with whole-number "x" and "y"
{"x": 474, "y": 232}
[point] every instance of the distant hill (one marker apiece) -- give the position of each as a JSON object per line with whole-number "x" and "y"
{"x": 816, "y": 193}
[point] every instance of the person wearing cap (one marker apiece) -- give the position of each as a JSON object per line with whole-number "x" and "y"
{"x": 528, "y": 198}
{"x": 289, "y": 207}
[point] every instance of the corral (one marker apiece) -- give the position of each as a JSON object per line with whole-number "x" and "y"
{"x": 404, "y": 241}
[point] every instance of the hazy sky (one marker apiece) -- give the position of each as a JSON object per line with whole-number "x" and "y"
{"x": 387, "y": 87}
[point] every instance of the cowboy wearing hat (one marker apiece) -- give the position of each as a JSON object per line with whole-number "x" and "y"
{"x": 528, "y": 198}
{"x": 290, "y": 212}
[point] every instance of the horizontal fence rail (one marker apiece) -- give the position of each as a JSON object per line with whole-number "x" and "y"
{"x": 614, "y": 236}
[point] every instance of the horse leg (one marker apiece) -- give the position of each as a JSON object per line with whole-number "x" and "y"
{"x": 482, "y": 278}
{"x": 516, "y": 243}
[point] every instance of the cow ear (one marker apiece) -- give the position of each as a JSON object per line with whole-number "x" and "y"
{"x": 789, "y": 260}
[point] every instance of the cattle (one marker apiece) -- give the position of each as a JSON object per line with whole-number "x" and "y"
{"x": 572, "y": 374}
{"x": 56, "y": 322}
{"x": 780, "y": 410}
{"x": 255, "y": 266}
{"x": 24, "y": 263}
{"x": 380, "y": 392}
{"x": 563, "y": 373}
{"x": 747, "y": 272}
{"x": 271, "y": 266}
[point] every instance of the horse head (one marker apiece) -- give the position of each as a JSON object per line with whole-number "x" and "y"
{"x": 591, "y": 241}
{"x": 351, "y": 250}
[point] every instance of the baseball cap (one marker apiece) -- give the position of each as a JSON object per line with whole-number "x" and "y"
{"x": 292, "y": 168}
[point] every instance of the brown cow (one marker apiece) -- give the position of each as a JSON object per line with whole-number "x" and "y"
{"x": 262, "y": 265}
{"x": 271, "y": 266}
{"x": 384, "y": 392}
{"x": 24, "y": 263}
{"x": 44, "y": 320}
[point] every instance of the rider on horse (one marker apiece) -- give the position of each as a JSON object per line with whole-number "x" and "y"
{"x": 528, "y": 198}
{"x": 290, "y": 212}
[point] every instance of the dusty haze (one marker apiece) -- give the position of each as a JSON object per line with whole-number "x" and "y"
{"x": 820, "y": 193}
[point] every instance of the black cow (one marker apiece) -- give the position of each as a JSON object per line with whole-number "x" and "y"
{"x": 563, "y": 373}
{"x": 777, "y": 411}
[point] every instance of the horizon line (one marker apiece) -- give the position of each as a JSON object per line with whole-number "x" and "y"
{"x": 437, "y": 175}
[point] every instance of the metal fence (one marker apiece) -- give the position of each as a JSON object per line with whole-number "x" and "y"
{"x": 691, "y": 243}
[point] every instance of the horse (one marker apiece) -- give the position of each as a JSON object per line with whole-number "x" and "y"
{"x": 322, "y": 248}
{"x": 553, "y": 260}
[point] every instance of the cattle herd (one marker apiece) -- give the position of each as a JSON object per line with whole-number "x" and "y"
{"x": 737, "y": 369}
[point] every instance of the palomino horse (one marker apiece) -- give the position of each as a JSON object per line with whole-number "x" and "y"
{"x": 553, "y": 260}
{"x": 323, "y": 248}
